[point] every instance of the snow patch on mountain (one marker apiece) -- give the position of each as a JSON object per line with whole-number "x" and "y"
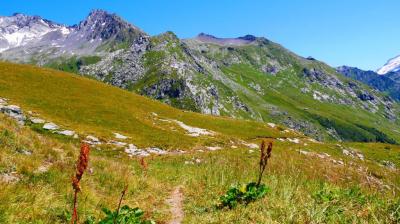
{"x": 393, "y": 65}
{"x": 20, "y": 30}
{"x": 23, "y": 36}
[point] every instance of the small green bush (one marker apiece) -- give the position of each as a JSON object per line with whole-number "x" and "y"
{"x": 242, "y": 194}
{"x": 126, "y": 215}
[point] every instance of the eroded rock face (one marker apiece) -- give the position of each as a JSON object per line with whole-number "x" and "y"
{"x": 122, "y": 67}
{"x": 166, "y": 88}
{"x": 14, "y": 112}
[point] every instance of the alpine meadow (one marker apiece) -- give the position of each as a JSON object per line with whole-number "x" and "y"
{"x": 104, "y": 123}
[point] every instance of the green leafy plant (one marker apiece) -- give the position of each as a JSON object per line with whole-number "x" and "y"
{"x": 252, "y": 191}
{"x": 245, "y": 193}
{"x": 326, "y": 194}
{"x": 125, "y": 215}
{"x": 331, "y": 194}
{"x": 336, "y": 201}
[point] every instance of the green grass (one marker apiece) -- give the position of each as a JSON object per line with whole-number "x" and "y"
{"x": 304, "y": 189}
{"x": 72, "y": 64}
{"x": 91, "y": 107}
{"x": 283, "y": 90}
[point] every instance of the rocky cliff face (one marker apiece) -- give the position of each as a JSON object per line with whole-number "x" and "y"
{"x": 246, "y": 77}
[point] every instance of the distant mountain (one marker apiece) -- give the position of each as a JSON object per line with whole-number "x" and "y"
{"x": 393, "y": 65}
{"x": 383, "y": 83}
{"x": 206, "y": 38}
{"x": 394, "y": 75}
{"x": 245, "y": 77}
{"x": 26, "y": 38}
{"x": 22, "y": 30}
{"x": 386, "y": 79}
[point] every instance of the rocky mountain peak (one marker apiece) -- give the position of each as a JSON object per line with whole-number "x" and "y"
{"x": 248, "y": 37}
{"x": 205, "y": 35}
{"x": 98, "y": 13}
{"x": 99, "y": 16}
{"x": 104, "y": 25}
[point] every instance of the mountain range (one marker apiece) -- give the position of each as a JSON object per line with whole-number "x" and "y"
{"x": 387, "y": 83}
{"x": 386, "y": 79}
{"x": 246, "y": 77}
{"x": 181, "y": 130}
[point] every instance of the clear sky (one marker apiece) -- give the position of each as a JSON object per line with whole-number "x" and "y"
{"x": 362, "y": 33}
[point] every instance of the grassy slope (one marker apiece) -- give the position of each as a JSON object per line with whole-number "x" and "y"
{"x": 285, "y": 93}
{"x": 93, "y": 107}
{"x": 243, "y": 65}
{"x": 282, "y": 90}
{"x": 303, "y": 189}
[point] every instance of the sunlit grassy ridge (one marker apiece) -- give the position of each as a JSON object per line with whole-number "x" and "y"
{"x": 304, "y": 188}
{"x": 93, "y": 107}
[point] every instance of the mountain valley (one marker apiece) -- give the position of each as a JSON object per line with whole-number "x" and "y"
{"x": 162, "y": 129}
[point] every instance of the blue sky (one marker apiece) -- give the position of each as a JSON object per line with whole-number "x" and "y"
{"x": 362, "y": 33}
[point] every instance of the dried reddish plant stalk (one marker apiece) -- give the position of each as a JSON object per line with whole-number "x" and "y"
{"x": 265, "y": 154}
{"x": 123, "y": 192}
{"x": 144, "y": 165}
{"x": 81, "y": 166}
